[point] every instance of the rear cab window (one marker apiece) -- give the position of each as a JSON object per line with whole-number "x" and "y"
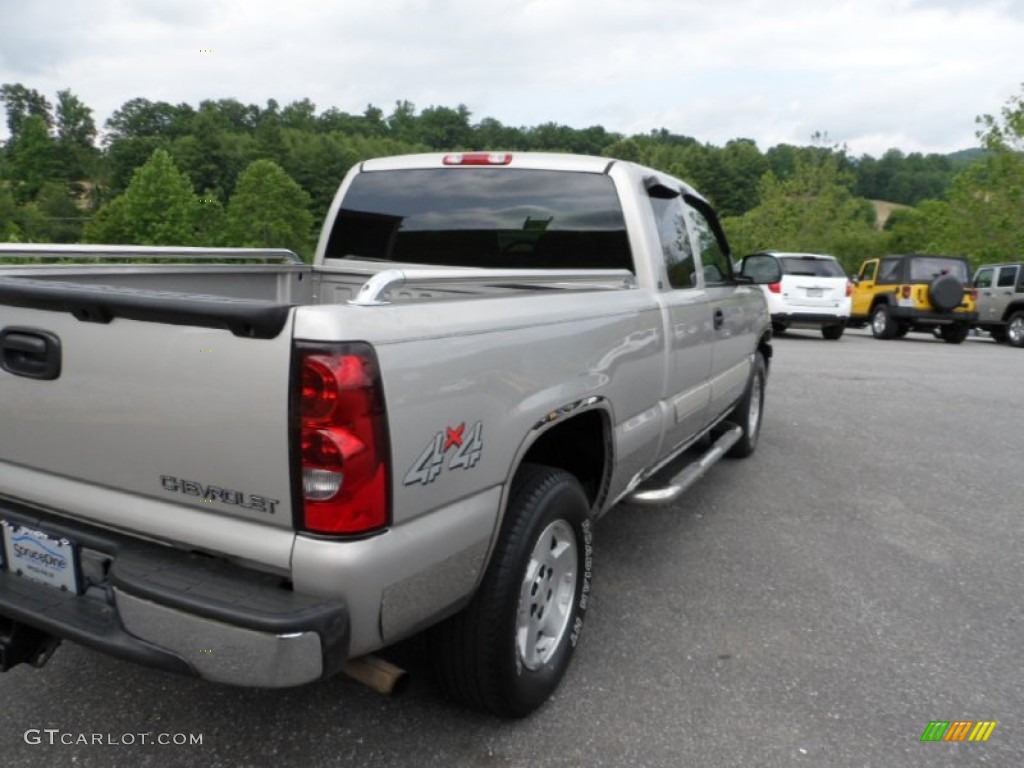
{"x": 810, "y": 267}
{"x": 495, "y": 218}
{"x": 924, "y": 269}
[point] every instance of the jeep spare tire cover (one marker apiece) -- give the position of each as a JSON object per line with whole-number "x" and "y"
{"x": 946, "y": 292}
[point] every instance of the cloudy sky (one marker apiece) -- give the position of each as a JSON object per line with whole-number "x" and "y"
{"x": 873, "y": 74}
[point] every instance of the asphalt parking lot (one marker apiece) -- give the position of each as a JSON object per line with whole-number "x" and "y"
{"x": 815, "y": 605}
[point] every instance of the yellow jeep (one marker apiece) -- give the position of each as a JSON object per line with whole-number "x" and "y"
{"x": 916, "y": 292}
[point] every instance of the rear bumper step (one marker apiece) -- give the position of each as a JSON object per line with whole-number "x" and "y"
{"x": 180, "y": 611}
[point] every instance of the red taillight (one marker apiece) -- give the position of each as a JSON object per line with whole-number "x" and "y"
{"x": 478, "y": 158}
{"x": 849, "y": 289}
{"x": 775, "y": 287}
{"x": 905, "y": 291}
{"x": 342, "y": 436}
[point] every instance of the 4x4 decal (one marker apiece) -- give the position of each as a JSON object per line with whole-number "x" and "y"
{"x": 466, "y": 453}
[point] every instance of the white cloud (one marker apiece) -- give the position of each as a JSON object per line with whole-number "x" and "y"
{"x": 914, "y": 72}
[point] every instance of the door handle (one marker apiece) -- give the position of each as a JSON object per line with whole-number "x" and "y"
{"x": 719, "y": 318}
{"x": 30, "y": 353}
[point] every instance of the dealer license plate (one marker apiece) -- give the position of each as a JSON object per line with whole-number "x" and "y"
{"x": 815, "y": 293}
{"x": 38, "y": 556}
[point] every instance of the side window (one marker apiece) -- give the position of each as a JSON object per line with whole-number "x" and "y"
{"x": 867, "y": 272}
{"x": 675, "y": 241}
{"x": 983, "y": 279}
{"x": 888, "y": 272}
{"x": 713, "y": 258}
{"x": 1007, "y": 277}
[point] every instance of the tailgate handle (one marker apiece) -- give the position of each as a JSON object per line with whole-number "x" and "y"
{"x": 30, "y": 353}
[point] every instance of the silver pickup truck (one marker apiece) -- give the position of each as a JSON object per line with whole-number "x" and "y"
{"x": 255, "y": 472}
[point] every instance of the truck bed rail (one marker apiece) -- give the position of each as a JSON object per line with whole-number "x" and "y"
{"x": 375, "y": 290}
{"x": 49, "y": 251}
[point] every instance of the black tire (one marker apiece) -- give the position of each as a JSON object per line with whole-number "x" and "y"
{"x": 778, "y": 329}
{"x": 749, "y": 411}
{"x": 833, "y": 332}
{"x": 485, "y": 657}
{"x": 882, "y": 324}
{"x": 946, "y": 292}
{"x": 1015, "y": 330}
{"x": 954, "y": 334}
{"x": 998, "y": 333}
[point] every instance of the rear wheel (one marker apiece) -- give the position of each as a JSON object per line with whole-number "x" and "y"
{"x": 882, "y": 324}
{"x": 506, "y": 652}
{"x": 954, "y": 334}
{"x": 749, "y": 411}
{"x": 1015, "y": 329}
{"x": 833, "y": 332}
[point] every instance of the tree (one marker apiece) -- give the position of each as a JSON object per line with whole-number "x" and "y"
{"x": 211, "y": 221}
{"x": 22, "y": 103}
{"x": 1006, "y": 132}
{"x": 812, "y": 211}
{"x": 63, "y": 218}
{"x": 33, "y": 159}
{"x": 269, "y": 210}
{"x": 159, "y": 207}
{"x": 9, "y": 229}
{"x": 76, "y": 132}
{"x": 139, "y": 118}
{"x": 74, "y": 121}
{"x": 443, "y": 128}
{"x": 984, "y": 219}
{"x": 110, "y": 224}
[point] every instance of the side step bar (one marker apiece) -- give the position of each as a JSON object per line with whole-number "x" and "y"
{"x": 691, "y": 473}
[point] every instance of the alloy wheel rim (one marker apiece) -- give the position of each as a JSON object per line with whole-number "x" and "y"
{"x": 1015, "y": 331}
{"x": 547, "y": 595}
{"x": 878, "y": 322}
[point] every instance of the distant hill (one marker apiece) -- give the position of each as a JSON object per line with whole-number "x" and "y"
{"x": 966, "y": 156}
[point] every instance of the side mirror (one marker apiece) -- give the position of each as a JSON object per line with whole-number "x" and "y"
{"x": 855, "y": 279}
{"x": 761, "y": 269}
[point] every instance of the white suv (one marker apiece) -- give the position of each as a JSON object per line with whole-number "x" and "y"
{"x": 814, "y": 292}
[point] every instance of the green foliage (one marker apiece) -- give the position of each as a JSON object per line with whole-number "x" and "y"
{"x": 159, "y": 207}
{"x": 986, "y": 210}
{"x": 21, "y": 103}
{"x": 110, "y": 225}
{"x": 210, "y": 221}
{"x": 906, "y": 179}
{"x": 33, "y": 159}
{"x": 63, "y": 218}
{"x": 910, "y": 230}
{"x": 155, "y": 154}
{"x": 269, "y": 210}
{"x": 10, "y": 232}
{"x": 1006, "y": 132}
{"x": 812, "y": 211}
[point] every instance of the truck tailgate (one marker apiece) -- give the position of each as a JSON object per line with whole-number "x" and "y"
{"x": 195, "y": 416}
